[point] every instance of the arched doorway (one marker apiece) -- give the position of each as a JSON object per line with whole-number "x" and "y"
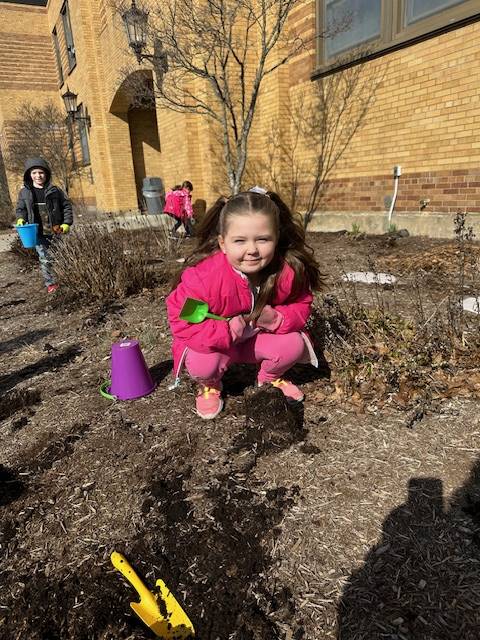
{"x": 134, "y": 105}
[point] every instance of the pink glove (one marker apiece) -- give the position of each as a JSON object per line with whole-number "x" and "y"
{"x": 240, "y": 330}
{"x": 237, "y": 326}
{"x": 270, "y": 319}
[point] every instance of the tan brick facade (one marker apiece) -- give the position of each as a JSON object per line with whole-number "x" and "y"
{"x": 24, "y": 40}
{"x": 425, "y": 115}
{"x": 425, "y": 118}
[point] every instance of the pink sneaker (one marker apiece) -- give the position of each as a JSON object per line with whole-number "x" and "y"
{"x": 209, "y": 402}
{"x": 52, "y": 288}
{"x": 289, "y": 390}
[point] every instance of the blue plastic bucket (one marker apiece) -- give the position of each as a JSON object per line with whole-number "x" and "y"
{"x": 28, "y": 235}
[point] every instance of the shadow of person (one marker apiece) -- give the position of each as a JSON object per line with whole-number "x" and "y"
{"x": 422, "y": 580}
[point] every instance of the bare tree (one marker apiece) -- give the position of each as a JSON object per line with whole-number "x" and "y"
{"x": 6, "y": 208}
{"x": 317, "y": 127}
{"x": 329, "y": 121}
{"x": 42, "y": 131}
{"x": 218, "y": 54}
{"x": 281, "y": 166}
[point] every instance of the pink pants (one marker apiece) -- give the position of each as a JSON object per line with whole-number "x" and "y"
{"x": 275, "y": 354}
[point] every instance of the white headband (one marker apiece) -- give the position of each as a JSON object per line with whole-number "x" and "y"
{"x": 258, "y": 189}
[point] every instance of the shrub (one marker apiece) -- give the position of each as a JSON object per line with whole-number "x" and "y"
{"x": 95, "y": 264}
{"x": 379, "y": 352}
{"x": 28, "y": 257}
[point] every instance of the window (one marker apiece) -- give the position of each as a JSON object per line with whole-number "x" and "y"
{"x": 356, "y": 29}
{"x": 418, "y": 9}
{"x": 82, "y": 129}
{"x": 67, "y": 30}
{"x": 351, "y": 23}
{"x": 57, "y": 56}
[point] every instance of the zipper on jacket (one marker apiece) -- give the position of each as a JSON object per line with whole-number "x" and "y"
{"x": 250, "y": 287}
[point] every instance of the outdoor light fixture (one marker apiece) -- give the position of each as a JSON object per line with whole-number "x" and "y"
{"x": 136, "y": 25}
{"x": 135, "y": 21}
{"x": 70, "y": 101}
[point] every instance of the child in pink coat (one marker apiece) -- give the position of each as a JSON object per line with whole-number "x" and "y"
{"x": 178, "y": 205}
{"x": 252, "y": 265}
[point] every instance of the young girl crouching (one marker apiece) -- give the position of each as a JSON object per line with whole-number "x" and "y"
{"x": 251, "y": 265}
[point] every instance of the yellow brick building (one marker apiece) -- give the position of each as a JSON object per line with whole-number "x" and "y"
{"x": 424, "y": 116}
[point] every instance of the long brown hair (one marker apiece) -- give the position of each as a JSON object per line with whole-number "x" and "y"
{"x": 291, "y": 245}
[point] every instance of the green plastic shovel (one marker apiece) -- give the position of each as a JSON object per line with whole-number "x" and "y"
{"x": 196, "y": 311}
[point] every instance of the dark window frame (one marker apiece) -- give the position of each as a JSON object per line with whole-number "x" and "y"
{"x": 69, "y": 123}
{"x": 58, "y": 58}
{"x": 82, "y": 131}
{"x": 394, "y": 33}
{"x": 68, "y": 34}
{"x": 33, "y": 3}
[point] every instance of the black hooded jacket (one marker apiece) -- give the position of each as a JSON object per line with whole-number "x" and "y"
{"x": 59, "y": 207}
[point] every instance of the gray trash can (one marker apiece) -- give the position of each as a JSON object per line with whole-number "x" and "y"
{"x": 153, "y": 192}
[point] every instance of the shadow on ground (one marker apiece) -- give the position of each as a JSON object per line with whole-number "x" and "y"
{"x": 14, "y": 401}
{"x": 12, "y": 303}
{"x": 11, "y": 486}
{"x": 23, "y": 340}
{"x": 49, "y": 363}
{"x": 161, "y": 370}
{"x": 240, "y": 376}
{"x": 421, "y": 580}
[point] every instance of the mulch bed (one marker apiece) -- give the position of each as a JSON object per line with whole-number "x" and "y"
{"x": 271, "y": 522}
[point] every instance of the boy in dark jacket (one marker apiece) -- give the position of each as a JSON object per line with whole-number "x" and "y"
{"x": 43, "y": 203}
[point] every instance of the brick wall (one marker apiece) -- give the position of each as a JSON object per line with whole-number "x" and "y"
{"x": 425, "y": 116}
{"x": 440, "y": 191}
{"x": 27, "y": 68}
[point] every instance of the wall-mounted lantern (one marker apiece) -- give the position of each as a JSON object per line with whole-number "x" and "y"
{"x": 70, "y": 102}
{"x": 136, "y": 22}
{"x": 136, "y": 26}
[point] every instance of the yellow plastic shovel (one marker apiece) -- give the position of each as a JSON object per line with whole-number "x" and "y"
{"x": 175, "y": 624}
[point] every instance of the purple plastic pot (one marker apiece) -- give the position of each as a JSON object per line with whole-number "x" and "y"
{"x": 130, "y": 375}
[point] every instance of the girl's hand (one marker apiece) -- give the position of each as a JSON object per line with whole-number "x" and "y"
{"x": 236, "y": 326}
{"x": 270, "y": 319}
{"x": 240, "y": 330}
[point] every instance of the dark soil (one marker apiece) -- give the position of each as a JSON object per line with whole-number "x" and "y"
{"x": 271, "y": 522}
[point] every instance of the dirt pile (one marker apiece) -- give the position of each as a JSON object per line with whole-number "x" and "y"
{"x": 205, "y": 530}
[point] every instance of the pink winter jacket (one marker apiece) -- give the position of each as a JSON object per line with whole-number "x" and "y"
{"x": 228, "y": 294}
{"x": 179, "y": 204}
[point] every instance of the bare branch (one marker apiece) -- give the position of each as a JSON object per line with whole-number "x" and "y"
{"x": 340, "y": 104}
{"x": 43, "y": 131}
{"x": 219, "y": 53}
